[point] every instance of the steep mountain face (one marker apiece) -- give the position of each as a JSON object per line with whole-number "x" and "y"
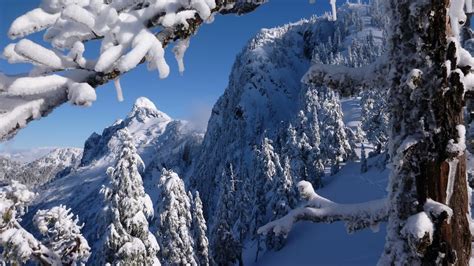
{"x": 264, "y": 88}
{"x": 160, "y": 141}
{"x": 266, "y": 99}
{"x": 55, "y": 164}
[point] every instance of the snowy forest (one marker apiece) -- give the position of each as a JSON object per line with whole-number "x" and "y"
{"x": 340, "y": 139}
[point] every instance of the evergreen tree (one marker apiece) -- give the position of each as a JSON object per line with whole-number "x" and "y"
{"x": 259, "y": 204}
{"x": 284, "y": 199}
{"x": 375, "y": 119}
{"x": 174, "y": 225}
{"x": 226, "y": 248}
{"x": 243, "y": 208}
{"x": 334, "y": 146}
{"x": 62, "y": 234}
{"x": 199, "y": 230}
{"x": 128, "y": 239}
{"x": 62, "y": 243}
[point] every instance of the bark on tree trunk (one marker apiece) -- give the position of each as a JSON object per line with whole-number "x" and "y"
{"x": 427, "y": 101}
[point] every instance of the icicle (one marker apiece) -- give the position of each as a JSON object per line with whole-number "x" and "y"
{"x": 333, "y": 7}
{"x": 179, "y": 49}
{"x": 118, "y": 89}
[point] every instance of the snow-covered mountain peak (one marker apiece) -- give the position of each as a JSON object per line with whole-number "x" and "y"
{"x": 144, "y": 109}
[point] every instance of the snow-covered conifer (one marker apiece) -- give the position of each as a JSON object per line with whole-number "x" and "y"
{"x": 199, "y": 230}
{"x": 375, "y": 118}
{"x": 62, "y": 234}
{"x": 283, "y": 199}
{"x": 128, "y": 239}
{"x": 226, "y": 248}
{"x": 63, "y": 243}
{"x": 334, "y": 146}
{"x": 175, "y": 220}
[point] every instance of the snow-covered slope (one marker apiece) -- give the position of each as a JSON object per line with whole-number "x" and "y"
{"x": 160, "y": 141}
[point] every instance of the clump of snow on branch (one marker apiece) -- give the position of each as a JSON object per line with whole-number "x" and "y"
{"x": 418, "y": 227}
{"x": 81, "y": 94}
{"x": 459, "y": 146}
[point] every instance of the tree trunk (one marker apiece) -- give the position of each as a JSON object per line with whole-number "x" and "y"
{"x": 426, "y": 106}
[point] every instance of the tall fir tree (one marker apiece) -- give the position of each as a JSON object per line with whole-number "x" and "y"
{"x": 128, "y": 239}
{"x": 334, "y": 146}
{"x": 199, "y": 231}
{"x": 375, "y": 117}
{"x": 283, "y": 199}
{"x": 226, "y": 248}
{"x": 174, "y": 223}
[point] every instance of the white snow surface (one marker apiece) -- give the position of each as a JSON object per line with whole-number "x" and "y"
{"x": 329, "y": 244}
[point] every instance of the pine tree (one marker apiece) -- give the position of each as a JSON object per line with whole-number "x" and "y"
{"x": 259, "y": 204}
{"x": 62, "y": 234}
{"x": 243, "y": 208}
{"x": 226, "y": 248}
{"x": 284, "y": 199}
{"x": 334, "y": 146}
{"x": 128, "y": 239}
{"x": 175, "y": 220}
{"x": 199, "y": 229}
{"x": 375, "y": 119}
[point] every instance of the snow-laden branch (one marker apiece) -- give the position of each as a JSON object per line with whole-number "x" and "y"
{"x": 64, "y": 243}
{"x": 321, "y": 210}
{"x": 131, "y": 33}
{"x": 348, "y": 80}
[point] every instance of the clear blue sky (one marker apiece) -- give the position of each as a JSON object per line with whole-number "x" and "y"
{"x": 208, "y": 63}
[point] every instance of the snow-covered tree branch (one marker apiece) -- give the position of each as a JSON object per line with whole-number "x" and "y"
{"x": 131, "y": 33}
{"x": 347, "y": 80}
{"x": 63, "y": 243}
{"x": 321, "y": 210}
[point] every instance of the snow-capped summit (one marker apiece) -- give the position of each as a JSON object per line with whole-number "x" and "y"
{"x": 144, "y": 109}
{"x": 144, "y": 122}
